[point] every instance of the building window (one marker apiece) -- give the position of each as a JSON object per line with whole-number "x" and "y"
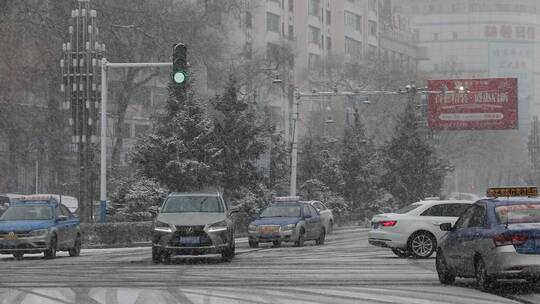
{"x": 353, "y": 21}
{"x": 372, "y": 28}
{"x": 328, "y": 17}
{"x": 313, "y": 7}
{"x": 435, "y": 36}
{"x": 272, "y": 51}
{"x": 314, "y": 61}
{"x": 291, "y": 32}
{"x": 272, "y": 22}
{"x": 328, "y": 43}
{"x": 353, "y": 47}
{"x": 454, "y": 35}
{"x": 314, "y": 35}
{"x": 291, "y": 6}
{"x": 249, "y": 22}
{"x": 372, "y": 50}
{"x": 372, "y": 5}
{"x": 248, "y": 50}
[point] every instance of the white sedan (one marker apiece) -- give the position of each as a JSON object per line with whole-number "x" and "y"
{"x": 414, "y": 230}
{"x": 326, "y": 215}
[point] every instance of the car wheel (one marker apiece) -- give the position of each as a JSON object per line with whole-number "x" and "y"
{"x": 402, "y": 253}
{"x": 166, "y": 257}
{"x": 300, "y": 241}
{"x": 227, "y": 254}
{"x": 446, "y": 276}
{"x": 156, "y": 255}
{"x": 76, "y": 250}
{"x": 322, "y": 236}
{"x": 253, "y": 244}
{"x": 483, "y": 280}
{"x": 18, "y": 256}
{"x": 422, "y": 245}
{"x": 276, "y": 243}
{"x": 51, "y": 252}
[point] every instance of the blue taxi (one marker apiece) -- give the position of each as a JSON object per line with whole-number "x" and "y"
{"x": 497, "y": 237}
{"x": 287, "y": 220}
{"x": 38, "y": 224}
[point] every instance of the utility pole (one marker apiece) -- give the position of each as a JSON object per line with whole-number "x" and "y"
{"x": 81, "y": 77}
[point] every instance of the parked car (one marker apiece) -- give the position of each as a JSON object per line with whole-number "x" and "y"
{"x": 36, "y": 224}
{"x": 495, "y": 238}
{"x": 193, "y": 224}
{"x": 287, "y": 221}
{"x": 326, "y": 215}
{"x": 6, "y": 199}
{"x": 414, "y": 230}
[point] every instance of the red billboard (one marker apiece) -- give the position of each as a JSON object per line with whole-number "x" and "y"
{"x": 489, "y": 104}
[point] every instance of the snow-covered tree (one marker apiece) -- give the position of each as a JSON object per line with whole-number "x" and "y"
{"x": 133, "y": 197}
{"x": 178, "y": 152}
{"x": 240, "y": 139}
{"x": 412, "y": 170}
{"x": 360, "y": 166}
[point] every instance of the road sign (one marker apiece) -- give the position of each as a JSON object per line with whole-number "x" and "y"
{"x": 485, "y": 104}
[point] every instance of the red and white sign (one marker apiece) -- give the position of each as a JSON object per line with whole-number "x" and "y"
{"x": 490, "y": 104}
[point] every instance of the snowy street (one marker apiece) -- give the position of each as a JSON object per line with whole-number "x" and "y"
{"x": 345, "y": 270}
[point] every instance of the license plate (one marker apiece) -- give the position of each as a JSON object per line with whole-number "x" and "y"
{"x": 190, "y": 240}
{"x": 268, "y": 229}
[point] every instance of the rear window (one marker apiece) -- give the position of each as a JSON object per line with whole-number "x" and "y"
{"x": 518, "y": 214}
{"x": 407, "y": 209}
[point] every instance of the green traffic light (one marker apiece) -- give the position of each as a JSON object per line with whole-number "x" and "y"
{"x": 179, "y": 77}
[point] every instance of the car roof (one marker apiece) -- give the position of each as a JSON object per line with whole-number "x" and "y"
{"x": 440, "y": 202}
{"x": 503, "y": 201}
{"x": 19, "y": 203}
{"x": 193, "y": 194}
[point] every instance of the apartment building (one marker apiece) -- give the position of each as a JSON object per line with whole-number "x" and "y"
{"x": 480, "y": 39}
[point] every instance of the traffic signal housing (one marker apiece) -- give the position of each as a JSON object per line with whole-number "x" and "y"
{"x": 179, "y": 70}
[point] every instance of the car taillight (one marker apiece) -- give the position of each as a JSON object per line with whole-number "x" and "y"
{"x": 502, "y": 240}
{"x": 388, "y": 223}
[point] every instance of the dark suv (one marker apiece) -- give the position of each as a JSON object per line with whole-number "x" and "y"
{"x": 193, "y": 224}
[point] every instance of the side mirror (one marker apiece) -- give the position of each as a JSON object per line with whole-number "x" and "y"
{"x": 307, "y": 215}
{"x": 154, "y": 210}
{"x": 61, "y": 218}
{"x": 318, "y": 211}
{"x": 446, "y": 227}
{"x": 234, "y": 210}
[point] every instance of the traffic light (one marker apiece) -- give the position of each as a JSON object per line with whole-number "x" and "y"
{"x": 179, "y": 70}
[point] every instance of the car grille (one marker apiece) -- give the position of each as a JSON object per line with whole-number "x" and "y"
{"x": 269, "y": 228}
{"x": 190, "y": 231}
{"x": 20, "y": 234}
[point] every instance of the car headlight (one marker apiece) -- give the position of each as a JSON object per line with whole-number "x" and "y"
{"x": 39, "y": 232}
{"x": 288, "y": 227}
{"x": 162, "y": 227}
{"x": 252, "y": 227}
{"x": 218, "y": 227}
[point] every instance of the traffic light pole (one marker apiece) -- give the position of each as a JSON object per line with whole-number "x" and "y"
{"x": 103, "y": 164}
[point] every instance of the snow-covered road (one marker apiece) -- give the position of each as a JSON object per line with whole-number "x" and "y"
{"x": 345, "y": 270}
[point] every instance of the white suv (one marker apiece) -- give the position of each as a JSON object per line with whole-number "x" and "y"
{"x": 414, "y": 230}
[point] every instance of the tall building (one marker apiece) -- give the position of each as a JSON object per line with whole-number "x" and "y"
{"x": 318, "y": 33}
{"x": 481, "y": 39}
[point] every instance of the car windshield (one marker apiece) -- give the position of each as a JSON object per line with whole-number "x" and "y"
{"x": 518, "y": 214}
{"x": 180, "y": 204}
{"x": 407, "y": 209}
{"x": 282, "y": 211}
{"x": 27, "y": 212}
